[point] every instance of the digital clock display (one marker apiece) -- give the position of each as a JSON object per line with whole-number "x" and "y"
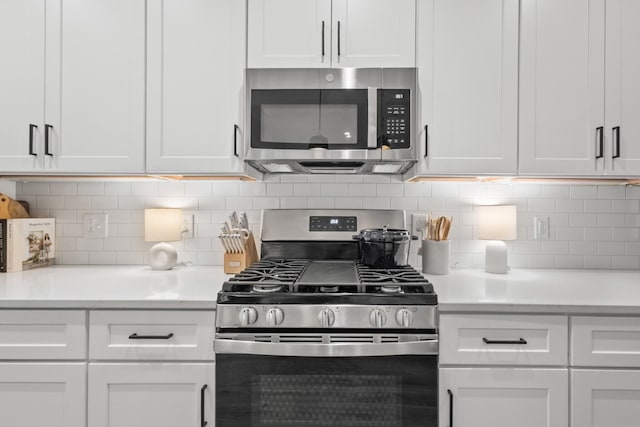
{"x": 333, "y": 223}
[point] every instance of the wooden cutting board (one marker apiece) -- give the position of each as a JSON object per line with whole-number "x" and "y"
{"x": 10, "y": 208}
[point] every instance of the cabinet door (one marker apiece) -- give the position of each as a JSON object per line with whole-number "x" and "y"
{"x": 95, "y": 86}
{"x": 504, "y": 397}
{"x": 468, "y": 79}
{"x": 289, "y": 33}
{"x": 43, "y": 394}
{"x": 195, "y": 85}
{"x": 561, "y": 87}
{"x": 21, "y": 84}
{"x": 623, "y": 87}
{"x": 150, "y": 394}
{"x": 605, "y": 398}
{"x": 374, "y": 33}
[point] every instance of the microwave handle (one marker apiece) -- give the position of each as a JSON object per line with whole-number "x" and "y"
{"x": 372, "y": 118}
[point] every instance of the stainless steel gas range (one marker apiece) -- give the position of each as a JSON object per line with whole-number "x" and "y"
{"x": 311, "y": 336}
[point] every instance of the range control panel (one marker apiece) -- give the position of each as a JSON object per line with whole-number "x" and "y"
{"x": 394, "y": 120}
{"x": 333, "y": 223}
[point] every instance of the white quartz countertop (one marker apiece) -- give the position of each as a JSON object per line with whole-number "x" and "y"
{"x": 463, "y": 290}
{"x": 539, "y": 291}
{"x": 112, "y": 287}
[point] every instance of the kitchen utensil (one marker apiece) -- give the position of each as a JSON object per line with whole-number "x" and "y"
{"x": 384, "y": 247}
{"x": 244, "y": 221}
{"x": 235, "y": 220}
{"x": 10, "y": 208}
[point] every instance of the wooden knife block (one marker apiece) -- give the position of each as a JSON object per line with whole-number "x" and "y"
{"x": 235, "y": 263}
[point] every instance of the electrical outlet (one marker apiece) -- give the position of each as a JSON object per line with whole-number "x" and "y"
{"x": 96, "y": 225}
{"x": 187, "y": 226}
{"x": 418, "y": 224}
{"x": 541, "y": 229}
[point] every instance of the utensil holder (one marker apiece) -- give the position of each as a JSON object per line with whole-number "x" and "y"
{"x": 236, "y": 262}
{"x": 435, "y": 256}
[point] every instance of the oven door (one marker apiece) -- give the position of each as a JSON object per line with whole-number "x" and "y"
{"x": 326, "y": 385}
{"x": 301, "y": 119}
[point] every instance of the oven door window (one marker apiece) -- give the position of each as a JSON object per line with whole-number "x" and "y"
{"x": 384, "y": 391}
{"x": 309, "y": 118}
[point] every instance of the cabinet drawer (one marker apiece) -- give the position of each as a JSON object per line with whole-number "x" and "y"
{"x": 605, "y": 341}
{"x": 503, "y": 339}
{"x": 43, "y": 334}
{"x": 151, "y": 335}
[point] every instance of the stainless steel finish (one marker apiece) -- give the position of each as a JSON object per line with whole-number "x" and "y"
{"x": 372, "y": 117}
{"x": 377, "y": 318}
{"x": 325, "y": 346}
{"x": 404, "y": 317}
{"x": 274, "y": 316}
{"x": 345, "y": 316}
{"x": 332, "y": 78}
{"x": 293, "y": 224}
{"x": 248, "y": 316}
{"x": 327, "y": 318}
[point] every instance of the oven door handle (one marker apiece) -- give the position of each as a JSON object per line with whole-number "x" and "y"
{"x": 226, "y": 346}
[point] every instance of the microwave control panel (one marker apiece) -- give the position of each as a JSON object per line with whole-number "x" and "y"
{"x": 394, "y": 116}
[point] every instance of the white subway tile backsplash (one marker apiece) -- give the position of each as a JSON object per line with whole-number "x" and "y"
{"x": 279, "y": 189}
{"x": 625, "y": 262}
{"x": 91, "y": 188}
{"x": 334, "y": 190}
{"x": 611, "y": 192}
{"x": 33, "y": 189}
{"x": 266, "y": 203}
{"x": 348, "y": 202}
{"x": 611, "y": 220}
{"x": 376, "y": 203}
{"x": 597, "y": 262}
{"x": 591, "y": 226}
{"x": 597, "y": 206}
{"x": 611, "y": 248}
{"x": 362, "y": 190}
{"x": 63, "y": 189}
{"x": 556, "y": 191}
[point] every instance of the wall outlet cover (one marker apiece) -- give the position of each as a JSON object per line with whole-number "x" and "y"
{"x": 96, "y": 225}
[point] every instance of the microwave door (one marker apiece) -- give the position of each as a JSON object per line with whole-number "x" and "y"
{"x": 301, "y": 119}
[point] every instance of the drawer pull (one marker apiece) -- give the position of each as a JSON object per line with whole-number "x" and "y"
{"x": 450, "y": 407}
{"x": 520, "y": 341}
{"x": 135, "y": 336}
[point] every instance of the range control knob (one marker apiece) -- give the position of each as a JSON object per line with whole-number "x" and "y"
{"x": 274, "y": 316}
{"x": 404, "y": 317}
{"x": 327, "y": 318}
{"x": 377, "y": 318}
{"x": 248, "y": 316}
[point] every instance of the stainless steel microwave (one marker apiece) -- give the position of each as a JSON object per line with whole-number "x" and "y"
{"x": 347, "y": 120}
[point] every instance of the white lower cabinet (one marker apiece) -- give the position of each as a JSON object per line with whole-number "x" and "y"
{"x": 43, "y": 394}
{"x": 151, "y": 394}
{"x": 503, "y": 370}
{"x": 601, "y": 397}
{"x": 503, "y": 397}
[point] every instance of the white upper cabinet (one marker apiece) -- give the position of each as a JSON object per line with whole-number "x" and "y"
{"x": 76, "y": 106}
{"x": 468, "y": 86}
{"x": 579, "y": 87}
{"x": 622, "y": 124}
{"x": 373, "y": 33}
{"x": 331, "y": 33}
{"x": 195, "y": 86}
{"x": 21, "y": 84}
{"x": 561, "y": 87}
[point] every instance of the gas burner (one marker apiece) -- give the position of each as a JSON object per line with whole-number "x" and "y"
{"x": 391, "y": 289}
{"x": 271, "y": 272}
{"x": 266, "y": 288}
{"x": 328, "y": 289}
